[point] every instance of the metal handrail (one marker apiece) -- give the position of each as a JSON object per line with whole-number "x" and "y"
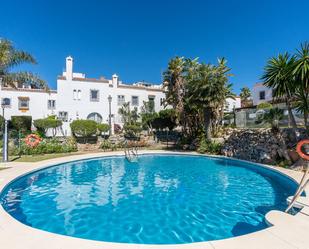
{"x": 130, "y": 152}
{"x": 302, "y": 185}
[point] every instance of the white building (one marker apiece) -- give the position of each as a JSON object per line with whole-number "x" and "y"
{"x": 261, "y": 94}
{"x": 231, "y": 104}
{"x": 78, "y": 97}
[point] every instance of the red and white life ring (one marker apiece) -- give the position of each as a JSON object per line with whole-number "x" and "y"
{"x": 299, "y": 150}
{"x": 33, "y": 140}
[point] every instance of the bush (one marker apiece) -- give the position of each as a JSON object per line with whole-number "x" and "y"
{"x": 264, "y": 105}
{"x": 1, "y": 123}
{"x": 21, "y": 123}
{"x": 44, "y": 124}
{"x": 165, "y": 119}
{"x": 107, "y": 145}
{"x": 210, "y": 147}
{"x": 132, "y": 130}
{"x": 83, "y": 128}
{"x": 102, "y": 128}
{"x": 47, "y": 146}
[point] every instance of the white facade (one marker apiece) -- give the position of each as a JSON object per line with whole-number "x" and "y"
{"x": 231, "y": 104}
{"x": 261, "y": 94}
{"x": 78, "y": 97}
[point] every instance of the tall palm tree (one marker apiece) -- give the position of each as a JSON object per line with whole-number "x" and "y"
{"x": 175, "y": 83}
{"x": 278, "y": 75}
{"x": 10, "y": 57}
{"x": 245, "y": 94}
{"x": 208, "y": 90}
{"x": 301, "y": 73}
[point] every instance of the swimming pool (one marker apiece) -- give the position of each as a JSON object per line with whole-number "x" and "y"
{"x": 161, "y": 199}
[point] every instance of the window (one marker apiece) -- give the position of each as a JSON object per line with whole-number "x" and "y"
{"x": 151, "y": 100}
{"x": 23, "y": 103}
{"x": 120, "y": 99}
{"x": 262, "y": 95}
{"x": 77, "y": 94}
{"x": 51, "y": 104}
{"x": 162, "y": 100}
{"x": 74, "y": 94}
{"x": 6, "y": 102}
{"x": 94, "y": 95}
{"x": 95, "y": 116}
{"x": 63, "y": 116}
{"x": 135, "y": 100}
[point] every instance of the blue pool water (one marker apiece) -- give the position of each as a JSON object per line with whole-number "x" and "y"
{"x": 161, "y": 199}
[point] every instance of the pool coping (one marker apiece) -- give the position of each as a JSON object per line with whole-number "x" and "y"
{"x": 287, "y": 231}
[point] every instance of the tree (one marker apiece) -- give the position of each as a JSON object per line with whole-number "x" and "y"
{"x": 278, "y": 74}
{"x": 301, "y": 73}
{"x": 44, "y": 124}
{"x": 10, "y": 57}
{"x": 245, "y": 95}
{"x": 273, "y": 116}
{"x": 84, "y": 128}
{"x": 174, "y": 78}
{"x": 208, "y": 88}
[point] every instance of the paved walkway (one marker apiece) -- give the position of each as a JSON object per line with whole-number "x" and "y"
{"x": 286, "y": 231}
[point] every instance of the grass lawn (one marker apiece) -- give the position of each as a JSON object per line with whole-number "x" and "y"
{"x": 37, "y": 158}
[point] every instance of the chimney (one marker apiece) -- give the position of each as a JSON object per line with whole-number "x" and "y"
{"x": 115, "y": 80}
{"x": 69, "y": 68}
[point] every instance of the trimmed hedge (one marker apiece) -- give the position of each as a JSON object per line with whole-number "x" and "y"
{"x": 84, "y": 128}
{"x": 44, "y": 124}
{"x": 103, "y": 128}
{"x": 21, "y": 123}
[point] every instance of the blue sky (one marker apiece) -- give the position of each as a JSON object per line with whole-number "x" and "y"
{"x": 136, "y": 39}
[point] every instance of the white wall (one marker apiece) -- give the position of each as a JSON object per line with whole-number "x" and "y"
{"x": 230, "y": 104}
{"x": 257, "y": 88}
{"x": 37, "y": 102}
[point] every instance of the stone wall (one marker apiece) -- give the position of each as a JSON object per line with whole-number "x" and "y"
{"x": 258, "y": 145}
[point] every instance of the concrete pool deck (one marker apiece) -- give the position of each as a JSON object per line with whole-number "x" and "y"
{"x": 286, "y": 232}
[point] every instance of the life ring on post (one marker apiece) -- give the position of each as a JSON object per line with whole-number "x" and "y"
{"x": 33, "y": 140}
{"x": 299, "y": 149}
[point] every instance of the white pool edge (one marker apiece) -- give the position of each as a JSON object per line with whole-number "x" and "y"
{"x": 287, "y": 231}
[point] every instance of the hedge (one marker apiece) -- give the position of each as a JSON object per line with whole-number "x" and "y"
{"x": 21, "y": 123}
{"x": 83, "y": 128}
{"x": 44, "y": 124}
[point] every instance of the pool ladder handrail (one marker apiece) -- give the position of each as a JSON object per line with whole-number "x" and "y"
{"x": 302, "y": 185}
{"x": 131, "y": 153}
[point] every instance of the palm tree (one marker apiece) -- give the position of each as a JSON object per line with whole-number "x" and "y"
{"x": 11, "y": 57}
{"x": 245, "y": 94}
{"x": 301, "y": 73}
{"x": 208, "y": 90}
{"x": 278, "y": 74}
{"x": 174, "y": 81}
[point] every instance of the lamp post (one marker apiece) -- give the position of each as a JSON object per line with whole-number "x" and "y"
{"x": 5, "y": 153}
{"x": 110, "y": 114}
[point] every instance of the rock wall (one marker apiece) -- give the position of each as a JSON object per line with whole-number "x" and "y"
{"x": 258, "y": 145}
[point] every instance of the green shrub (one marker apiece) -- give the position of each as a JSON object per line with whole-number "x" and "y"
{"x": 165, "y": 119}
{"x": 47, "y": 146}
{"x": 83, "y": 128}
{"x": 264, "y": 105}
{"x": 21, "y": 123}
{"x": 44, "y": 124}
{"x": 210, "y": 147}
{"x": 132, "y": 130}
{"x": 102, "y": 128}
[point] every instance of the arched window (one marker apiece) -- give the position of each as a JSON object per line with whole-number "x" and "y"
{"x": 95, "y": 116}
